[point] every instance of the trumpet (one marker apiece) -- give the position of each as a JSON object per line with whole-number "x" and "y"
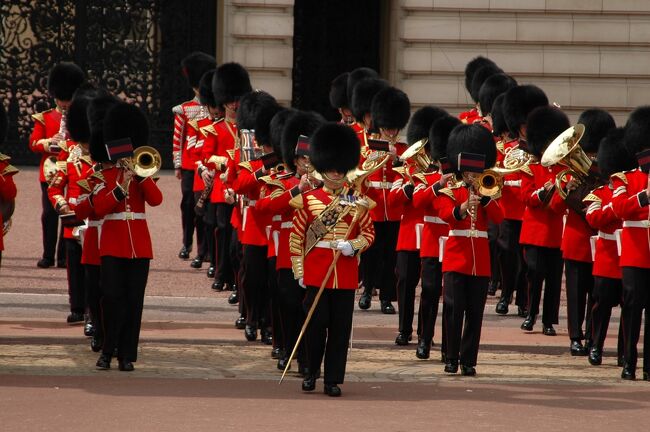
{"x": 145, "y": 162}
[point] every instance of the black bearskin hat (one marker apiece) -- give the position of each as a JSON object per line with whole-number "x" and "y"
{"x": 250, "y": 105}
{"x": 267, "y": 108}
{"x": 230, "y": 83}
{"x": 298, "y": 123}
{"x": 355, "y": 77}
{"x": 195, "y": 65}
{"x": 544, "y": 124}
{"x": 637, "y": 130}
{"x": 390, "y": 109}
{"x": 124, "y": 120}
{"x": 471, "y": 139}
{"x": 334, "y": 147}
{"x": 64, "y": 79}
{"x": 206, "y": 97}
{"x": 362, "y": 96}
{"x": 421, "y": 123}
{"x": 4, "y": 123}
{"x": 339, "y": 91}
{"x": 519, "y": 102}
{"x": 597, "y": 124}
{"x": 499, "y": 125}
{"x": 77, "y": 115}
{"x": 276, "y": 127}
{"x": 612, "y": 156}
{"x": 96, "y": 112}
{"x": 472, "y": 66}
{"x": 439, "y": 135}
{"x": 480, "y": 76}
{"x": 493, "y": 87}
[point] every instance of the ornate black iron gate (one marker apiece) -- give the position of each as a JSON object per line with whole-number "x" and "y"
{"x": 131, "y": 47}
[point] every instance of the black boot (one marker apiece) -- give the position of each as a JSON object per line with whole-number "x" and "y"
{"x": 423, "y": 350}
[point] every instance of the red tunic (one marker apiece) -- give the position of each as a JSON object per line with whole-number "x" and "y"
{"x": 84, "y": 210}
{"x": 46, "y": 125}
{"x": 198, "y": 137}
{"x": 64, "y": 187}
{"x": 247, "y": 183}
{"x": 183, "y": 115}
{"x": 313, "y": 265}
{"x": 424, "y": 198}
{"x": 467, "y": 250}
{"x": 125, "y": 233}
{"x": 541, "y": 226}
{"x": 379, "y": 184}
{"x": 631, "y": 205}
{"x": 510, "y": 201}
{"x": 411, "y": 225}
{"x": 469, "y": 117}
{"x": 220, "y": 139}
{"x": 600, "y": 216}
{"x": 7, "y": 188}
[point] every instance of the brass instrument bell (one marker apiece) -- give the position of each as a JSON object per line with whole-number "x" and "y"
{"x": 565, "y": 150}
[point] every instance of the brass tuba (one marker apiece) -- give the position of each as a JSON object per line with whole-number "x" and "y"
{"x": 146, "y": 161}
{"x": 417, "y": 154}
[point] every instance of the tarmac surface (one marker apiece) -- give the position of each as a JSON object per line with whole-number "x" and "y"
{"x": 196, "y": 371}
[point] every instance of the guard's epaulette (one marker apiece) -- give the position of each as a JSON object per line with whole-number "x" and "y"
{"x": 447, "y": 191}
{"x": 621, "y": 176}
{"x": 99, "y": 177}
{"x": 64, "y": 146}
{"x": 4, "y": 157}
{"x": 39, "y": 116}
{"x": 231, "y": 153}
{"x": 285, "y": 175}
{"x": 272, "y": 182}
{"x": 246, "y": 165}
{"x": 9, "y": 170}
{"x": 401, "y": 170}
{"x": 500, "y": 146}
{"x": 85, "y": 185}
{"x": 297, "y": 202}
{"x": 208, "y": 129}
{"x": 591, "y": 198}
{"x": 62, "y": 166}
{"x": 194, "y": 124}
{"x": 422, "y": 178}
{"x": 87, "y": 159}
{"x": 526, "y": 169}
{"x": 178, "y": 109}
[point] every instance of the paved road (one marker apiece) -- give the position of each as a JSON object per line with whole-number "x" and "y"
{"x": 197, "y": 373}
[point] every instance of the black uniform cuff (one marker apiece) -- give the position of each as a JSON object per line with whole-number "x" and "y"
{"x": 295, "y": 191}
{"x": 643, "y": 199}
{"x": 408, "y": 191}
{"x": 119, "y": 193}
{"x": 457, "y": 213}
{"x": 259, "y": 174}
{"x": 436, "y": 188}
{"x": 485, "y": 200}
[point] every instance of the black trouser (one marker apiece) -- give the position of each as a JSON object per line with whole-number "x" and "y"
{"x": 93, "y": 298}
{"x": 465, "y": 297}
{"x": 202, "y": 250}
{"x": 236, "y": 257}
{"x": 636, "y": 298}
{"x": 429, "y": 297}
{"x": 381, "y": 259}
{"x": 512, "y": 264}
{"x": 255, "y": 284}
{"x": 123, "y": 283}
{"x": 606, "y": 295}
{"x": 210, "y": 220}
{"x": 291, "y": 296}
{"x": 187, "y": 207}
{"x": 51, "y": 231}
{"x": 544, "y": 268}
{"x": 408, "y": 274}
{"x": 224, "y": 230}
{"x": 273, "y": 303}
{"x": 579, "y": 288}
{"x": 493, "y": 241}
{"x": 76, "y": 276}
{"x": 328, "y": 332}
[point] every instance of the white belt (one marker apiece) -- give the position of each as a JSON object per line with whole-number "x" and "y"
{"x": 605, "y": 236}
{"x": 327, "y": 244}
{"x": 72, "y": 201}
{"x": 250, "y": 203}
{"x": 512, "y": 183}
{"x": 379, "y": 185}
{"x": 276, "y": 218}
{"x": 95, "y": 223}
{"x": 636, "y": 224}
{"x": 125, "y": 216}
{"x": 286, "y": 225}
{"x": 468, "y": 233}
{"x": 435, "y": 220}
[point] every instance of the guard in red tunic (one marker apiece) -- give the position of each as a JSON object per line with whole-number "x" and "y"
{"x": 440, "y": 124}
{"x": 7, "y": 185}
{"x": 74, "y": 163}
{"x": 330, "y": 223}
{"x": 359, "y": 125}
{"x": 631, "y": 204}
{"x": 472, "y": 116}
{"x": 229, "y": 84}
{"x": 339, "y": 99}
{"x": 576, "y": 238}
{"x": 124, "y": 241}
{"x": 466, "y": 262}
{"x": 185, "y": 116}
{"x": 541, "y": 229}
{"x": 612, "y": 158}
{"x": 49, "y": 130}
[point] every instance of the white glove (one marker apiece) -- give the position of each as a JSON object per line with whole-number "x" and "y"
{"x": 301, "y": 282}
{"x": 345, "y": 247}
{"x": 207, "y": 176}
